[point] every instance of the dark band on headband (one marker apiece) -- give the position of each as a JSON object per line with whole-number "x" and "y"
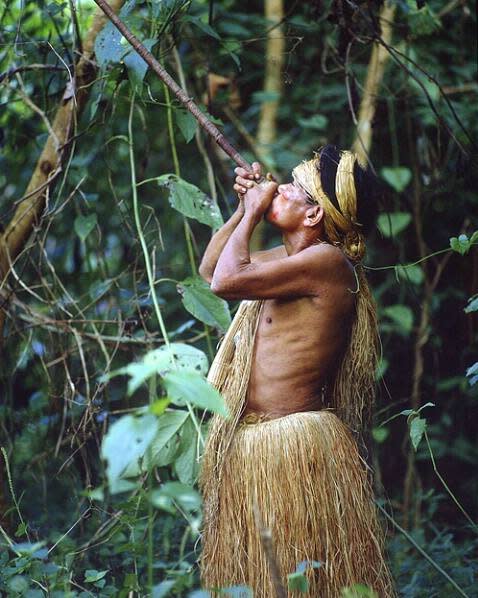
{"x": 328, "y": 164}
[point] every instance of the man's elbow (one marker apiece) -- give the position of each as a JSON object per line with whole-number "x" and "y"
{"x": 205, "y": 273}
{"x": 223, "y": 287}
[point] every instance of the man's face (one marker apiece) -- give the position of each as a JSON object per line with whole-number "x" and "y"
{"x": 288, "y": 208}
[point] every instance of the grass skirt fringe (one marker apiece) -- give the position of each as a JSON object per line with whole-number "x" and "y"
{"x": 304, "y": 473}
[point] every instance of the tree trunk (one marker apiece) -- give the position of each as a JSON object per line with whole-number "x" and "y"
{"x": 376, "y": 69}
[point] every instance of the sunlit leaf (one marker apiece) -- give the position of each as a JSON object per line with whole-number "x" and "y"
{"x": 169, "y": 423}
{"x": 191, "y": 201}
{"x": 317, "y": 121}
{"x": 411, "y": 273}
{"x": 126, "y": 442}
{"x": 92, "y": 575}
{"x": 183, "y": 495}
{"x": 195, "y": 389}
{"x": 201, "y": 302}
{"x": 163, "y": 589}
{"x": 186, "y": 463}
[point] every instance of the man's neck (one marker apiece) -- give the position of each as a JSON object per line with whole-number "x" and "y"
{"x": 296, "y": 241}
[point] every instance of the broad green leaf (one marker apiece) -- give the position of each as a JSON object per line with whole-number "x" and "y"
{"x": 99, "y": 288}
{"x": 176, "y": 356}
{"x": 397, "y": 177}
{"x": 168, "y": 425}
{"x": 195, "y": 389}
{"x": 412, "y": 273}
{"x": 191, "y": 201}
{"x": 109, "y": 48}
{"x": 237, "y": 592}
{"x": 402, "y": 316}
{"x": 423, "y": 21}
{"x": 201, "y": 302}
{"x": 187, "y": 124}
{"x": 186, "y": 463}
{"x": 92, "y": 575}
{"x": 18, "y": 584}
{"x": 136, "y": 65}
{"x": 126, "y": 442}
{"x": 83, "y": 225}
{"x": 174, "y": 492}
{"x": 418, "y": 426}
{"x": 297, "y": 582}
{"x": 318, "y": 122}
{"x": 159, "y": 406}
{"x": 393, "y": 223}
{"x": 205, "y": 27}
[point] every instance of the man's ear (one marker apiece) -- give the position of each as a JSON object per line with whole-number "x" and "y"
{"x": 314, "y": 215}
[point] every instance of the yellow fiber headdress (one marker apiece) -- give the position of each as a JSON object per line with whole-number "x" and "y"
{"x": 330, "y": 180}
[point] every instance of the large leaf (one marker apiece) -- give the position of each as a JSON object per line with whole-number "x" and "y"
{"x": 317, "y": 121}
{"x": 195, "y": 389}
{"x": 126, "y": 442}
{"x": 110, "y": 46}
{"x": 198, "y": 299}
{"x": 392, "y": 223}
{"x": 187, "y": 123}
{"x": 402, "y": 316}
{"x": 191, "y": 201}
{"x": 168, "y": 425}
{"x": 186, "y": 463}
{"x": 174, "y": 492}
{"x": 136, "y": 65}
{"x": 178, "y": 356}
{"x": 397, "y": 177}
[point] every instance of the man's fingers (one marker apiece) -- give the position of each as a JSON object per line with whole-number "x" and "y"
{"x": 239, "y": 189}
{"x": 242, "y": 172}
{"x": 257, "y": 170}
{"x": 244, "y": 182}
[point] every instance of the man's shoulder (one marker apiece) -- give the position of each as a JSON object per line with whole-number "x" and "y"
{"x": 326, "y": 253}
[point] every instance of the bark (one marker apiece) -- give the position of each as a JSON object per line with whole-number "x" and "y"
{"x": 273, "y": 83}
{"x": 375, "y": 72}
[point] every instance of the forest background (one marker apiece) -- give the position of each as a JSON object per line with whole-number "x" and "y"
{"x": 109, "y": 192}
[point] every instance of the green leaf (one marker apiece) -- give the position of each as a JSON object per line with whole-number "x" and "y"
{"x": 191, "y": 201}
{"x": 423, "y": 21}
{"x": 393, "y": 223}
{"x": 380, "y": 434}
{"x": 187, "y": 124}
{"x": 318, "y": 122}
{"x": 410, "y": 273}
{"x": 236, "y": 592}
{"x": 418, "y": 426}
{"x": 298, "y": 582}
{"x": 402, "y": 316}
{"x": 109, "y": 48}
{"x": 19, "y": 584}
{"x": 126, "y": 442}
{"x": 92, "y": 575}
{"x": 83, "y": 225}
{"x": 137, "y": 67}
{"x": 168, "y": 425}
{"x": 175, "y": 492}
{"x": 21, "y": 530}
{"x": 186, "y": 463}
{"x": 195, "y": 389}
{"x": 176, "y": 356}
{"x": 461, "y": 244}
{"x": 205, "y": 27}
{"x": 358, "y": 590}
{"x": 159, "y": 406}
{"x": 201, "y": 302}
{"x": 397, "y": 177}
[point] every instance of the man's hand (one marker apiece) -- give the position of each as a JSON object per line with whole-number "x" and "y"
{"x": 258, "y": 199}
{"x": 245, "y": 179}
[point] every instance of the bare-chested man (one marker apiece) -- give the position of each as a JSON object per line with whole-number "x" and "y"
{"x": 289, "y": 459}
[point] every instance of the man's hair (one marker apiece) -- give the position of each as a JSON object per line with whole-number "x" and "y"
{"x": 346, "y": 191}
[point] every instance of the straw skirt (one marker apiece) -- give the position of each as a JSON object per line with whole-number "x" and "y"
{"x": 301, "y": 477}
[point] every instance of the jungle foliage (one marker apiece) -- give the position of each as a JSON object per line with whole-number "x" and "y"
{"x": 107, "y": 329}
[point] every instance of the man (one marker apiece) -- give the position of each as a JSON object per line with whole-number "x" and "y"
{"x": 296, "y": 369}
